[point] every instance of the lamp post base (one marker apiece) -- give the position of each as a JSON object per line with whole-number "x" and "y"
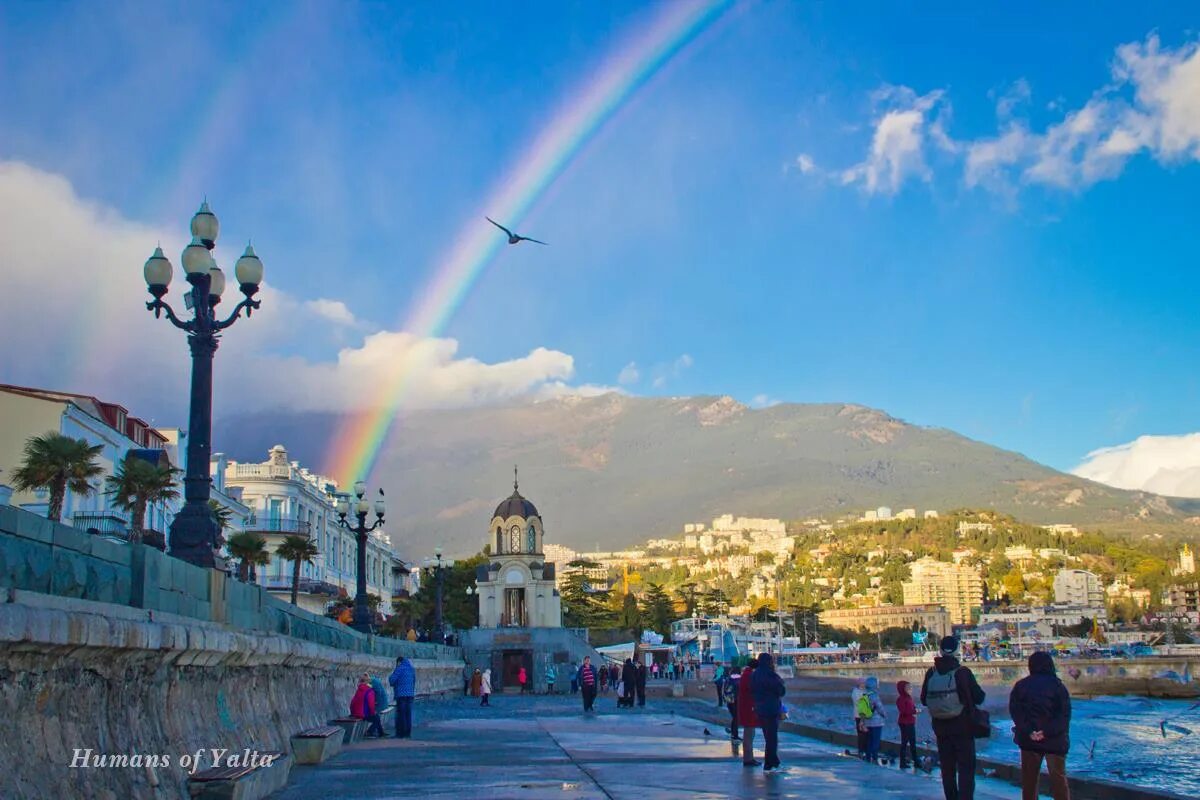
{"x": 194, "y": 534}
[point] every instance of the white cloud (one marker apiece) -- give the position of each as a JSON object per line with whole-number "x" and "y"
{"x": 335, "y": 311}
{"x": 1167, "y": 465}
{"x": 629, "y": 374}
{"x": 663, "y": 373}
{"x": 72, "y": 317}
{"x": 898, "y": 145}
{"x": 1151, "y": 105}
{"x": 805, "y": 163}
{"x": 763, "y": 401}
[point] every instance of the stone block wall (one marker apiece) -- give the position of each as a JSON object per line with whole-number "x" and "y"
{"x": 122, "y": 650}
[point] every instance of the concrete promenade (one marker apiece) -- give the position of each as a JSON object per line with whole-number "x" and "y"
{"x": 540, "y": 747}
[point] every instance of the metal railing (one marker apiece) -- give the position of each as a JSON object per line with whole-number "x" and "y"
{"x": 306, "y": 585}
{"x": 296, "y": 526}
{"x": 103, "y": 523}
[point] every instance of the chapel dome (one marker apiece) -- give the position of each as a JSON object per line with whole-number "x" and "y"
{"x": 515, "y": 505}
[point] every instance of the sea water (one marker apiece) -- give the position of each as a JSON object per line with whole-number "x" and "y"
{"x": 1115, "y": 738}
{"x": 1124, "y": 739}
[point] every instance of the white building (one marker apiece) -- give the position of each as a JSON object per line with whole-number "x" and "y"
{"x": 26, "y": 412}
{"x": 1078, "y": 587}
{"x": 286, "y": 499}
{"x": 517, "y": 589}
{"x": 883, "y": 513}
{"x": 1187, "y": 562}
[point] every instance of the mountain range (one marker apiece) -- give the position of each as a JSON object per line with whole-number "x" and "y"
{"x": 608, "y": 471}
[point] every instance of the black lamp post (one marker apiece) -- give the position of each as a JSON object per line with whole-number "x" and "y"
{"x": 195, "y": 531}
{"x": 361, "y": 620}
{"x": 438, "y": 565}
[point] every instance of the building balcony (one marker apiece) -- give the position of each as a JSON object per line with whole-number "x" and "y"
{"x": 285, "y": 527}
{"x": 306, "y": 586}
{"x": 101, "y": 523}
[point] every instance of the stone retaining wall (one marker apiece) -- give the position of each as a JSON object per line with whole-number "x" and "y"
{"x": 124, "y": 650}
{"x": 76, "y": 674}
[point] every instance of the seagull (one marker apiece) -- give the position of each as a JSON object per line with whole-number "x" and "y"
{"x": 512, "y": 237}
{"x": 381, "y": 491}
{"x": 707, "y": 732}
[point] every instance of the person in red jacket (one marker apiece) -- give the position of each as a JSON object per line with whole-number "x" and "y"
{"x": 746, "y": 717}
{"x": 907, "y": 708}
{"x": 362, "y": 706}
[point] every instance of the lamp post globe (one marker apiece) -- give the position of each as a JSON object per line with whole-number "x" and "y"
{"x": 195, "y": 532}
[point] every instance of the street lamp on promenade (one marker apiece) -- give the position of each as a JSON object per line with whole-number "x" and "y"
{"x": 361, "y": 620}
{"x": 438, "y": 565}
{"x": 195, "y": 531}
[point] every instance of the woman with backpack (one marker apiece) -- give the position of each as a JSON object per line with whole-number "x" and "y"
{"x": 1040, "y": 706}
{"x": 767, "y": 691}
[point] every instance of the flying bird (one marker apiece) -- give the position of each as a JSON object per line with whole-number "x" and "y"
{"x": 512, "y": 237}
{"x": 707, "y": 732}
{"x": 381, "y": 491}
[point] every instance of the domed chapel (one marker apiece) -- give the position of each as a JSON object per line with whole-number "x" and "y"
{"x": 516, "y": 589}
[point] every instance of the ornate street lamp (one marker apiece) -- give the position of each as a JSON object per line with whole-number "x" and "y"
{"x": 361, "y": 620}
{"x": 195, "y": 531}
{"x": 438, "y": 565}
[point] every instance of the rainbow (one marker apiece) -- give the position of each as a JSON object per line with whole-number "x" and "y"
{"x": 360, "y": 436}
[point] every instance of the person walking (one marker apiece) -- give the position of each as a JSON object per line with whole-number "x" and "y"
{"x": 404, "y": 686}
{"x": 719, "y": 684}
{"x": 551, "y": 678}
{"x": 574, "y": 677}
{"x": 587, "y": 683}
{"x": 523, "y": 680}
{"x": 951, "y": 694}
{"x": 614, "y": 675}
{"x": 629, "y": 683}
{"x": 767, "y": 690}
{"x": 906, "y": 710}
{"x": 603, "y": 673}
{"x": 641, "y": 684}
{"x": 875, "y": 720}
{"x": 362, "y": 706}
{"x": 860, "y": 724}
{"x": 746, "y": 716}
{"x": 476, "y": 682}
{"x": 1040, "y": 707}
{"x": 485, "y": 687}
{"x": 730, "y": 695}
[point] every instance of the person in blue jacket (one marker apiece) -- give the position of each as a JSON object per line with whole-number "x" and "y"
{"x": 767, "y": 691}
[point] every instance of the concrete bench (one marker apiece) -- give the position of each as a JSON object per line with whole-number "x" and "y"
{"x": 317, "y": 744}
{"x": 241, "y": 783}
{"x": 352, "y": 727}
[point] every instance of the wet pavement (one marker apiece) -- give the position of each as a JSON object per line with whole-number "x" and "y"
{"x": 542, "y": 747}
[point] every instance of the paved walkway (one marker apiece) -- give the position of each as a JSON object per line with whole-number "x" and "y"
{"x": 532, "y": 748}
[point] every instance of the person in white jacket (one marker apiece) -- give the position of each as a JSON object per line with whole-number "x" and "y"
{"x": 485, "y": 687}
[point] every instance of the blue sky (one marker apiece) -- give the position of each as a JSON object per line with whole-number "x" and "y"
{"x": 729, "y": 232}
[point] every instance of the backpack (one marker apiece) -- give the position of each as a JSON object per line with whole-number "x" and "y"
{"x": 729, "y": 691}
{"x": 864, "y": 707}
{"x": 941, "y": 695}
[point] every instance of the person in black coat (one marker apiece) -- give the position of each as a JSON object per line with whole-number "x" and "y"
{"x": 641, "y": 684}
{"x": 1040, "y": 707}
{"x": 955, "y": 740}
{"x": 629, "y": 683}
{"x": 767, "y": 691}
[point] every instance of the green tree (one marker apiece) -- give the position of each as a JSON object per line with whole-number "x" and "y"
{"x": 223, "y": 516}
{"x": 459, "y": 609}
{"x": 138, "y": 483}
{"x": 660, "y": 611}
{"x": 713, "y": 602}
{"x": 630, "y": 617}
{"x": 58, "y": 463}
{"x": 250, "y": 550}
{"x": 298, "y": 550}
{"x": 1014, "y": 585}
{"x": 689, "y": 596}
{"x": 586, "y": 605}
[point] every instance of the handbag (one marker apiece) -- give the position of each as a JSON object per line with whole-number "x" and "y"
{"x": 981, "y": 723}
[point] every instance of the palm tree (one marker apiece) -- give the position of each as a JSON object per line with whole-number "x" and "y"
{"x": 298, "y": 550}
{"x": 250, "y": 550}
{"x": 224, "y": 519}
{"x": 58, "y": 463}
{"x": 138, "y": 483}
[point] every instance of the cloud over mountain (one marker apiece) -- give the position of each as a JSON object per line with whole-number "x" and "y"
{"x": 1168, "y": 465}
